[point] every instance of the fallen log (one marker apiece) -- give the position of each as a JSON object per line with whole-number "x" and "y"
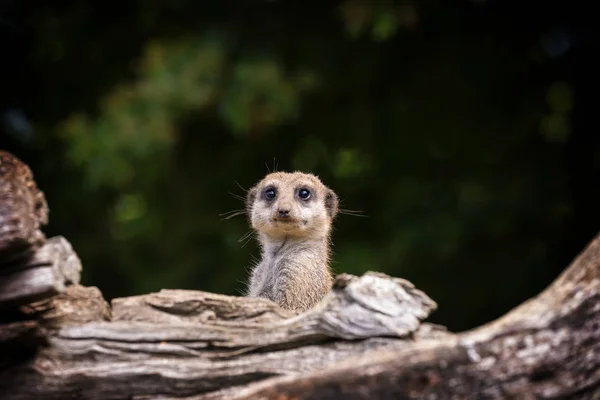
{"x": 549, "y": 347}
{"x": 180, "y": 343}
{"x": 23, "y": 210}
{"x": 366, "y": 339}
{"x": 44, "y": 273}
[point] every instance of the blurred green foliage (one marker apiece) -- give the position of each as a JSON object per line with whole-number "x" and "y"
{"x": 424, "y": 116}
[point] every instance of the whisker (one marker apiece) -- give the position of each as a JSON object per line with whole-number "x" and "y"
{"x": 354, "y": 213}
{"x": 248, "y": 240}
{"x": 231, "y": 214}
{"x": 237, "y": 196}
{"x": 245, "y": 236}
{"x": 240, "y": 186}
{"x": 267, "y": 165}
{"x": 235, "y": 215}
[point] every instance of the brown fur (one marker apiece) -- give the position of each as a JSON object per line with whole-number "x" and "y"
{"x": 294, "y": 268}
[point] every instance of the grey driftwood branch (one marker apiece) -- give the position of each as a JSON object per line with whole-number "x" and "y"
{"x": 181, "y": 343}
{"x": 548, "y": 347}
{"x": 366, "y": 339}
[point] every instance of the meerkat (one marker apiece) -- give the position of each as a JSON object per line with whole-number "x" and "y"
{"x": 292, "y": 213}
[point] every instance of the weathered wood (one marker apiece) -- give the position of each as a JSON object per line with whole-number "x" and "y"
{"x": 365, "y": 340}
{"x": 549, "y": 347}
{"x": 186, "y": 342}
{"x": 189, "y": 306}
{"x": 23, "y": 209}
{"x": 19, "y": 341}
{"x": 77, "y": 305}
{"x": 45, "y": 273}
{"x": 357, "y": 344}
{"x": 32, "y": 323}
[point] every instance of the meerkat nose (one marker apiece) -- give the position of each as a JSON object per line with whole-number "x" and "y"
{"x": 283, "y": 213}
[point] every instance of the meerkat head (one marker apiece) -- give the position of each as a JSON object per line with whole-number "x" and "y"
{"x": 291, "y": 204}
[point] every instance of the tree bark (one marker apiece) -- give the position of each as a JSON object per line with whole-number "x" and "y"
{"x": 179, "y": 343}
{"x": 43, "y": 274}
{"x": 365, "y": 340}
{"x": 549, "y": 347}
{"x": 23, "y": 210}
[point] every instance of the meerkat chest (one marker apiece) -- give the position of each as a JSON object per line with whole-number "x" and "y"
{"x": 293, "y": 257}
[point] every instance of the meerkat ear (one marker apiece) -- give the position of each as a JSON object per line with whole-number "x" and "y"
{"x": 250, "y": 197}
{"x": 331, "y": 203}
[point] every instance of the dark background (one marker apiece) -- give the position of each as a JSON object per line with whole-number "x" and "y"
{"x": 466, "y": 131}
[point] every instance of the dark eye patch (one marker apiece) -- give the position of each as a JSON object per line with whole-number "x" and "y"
{"x": 270, "y": 193}
{"x": 304, "y": 193}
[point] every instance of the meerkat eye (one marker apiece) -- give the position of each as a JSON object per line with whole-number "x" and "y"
{"x": 270, "y": 193}
{"x": 304, "y": 194}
